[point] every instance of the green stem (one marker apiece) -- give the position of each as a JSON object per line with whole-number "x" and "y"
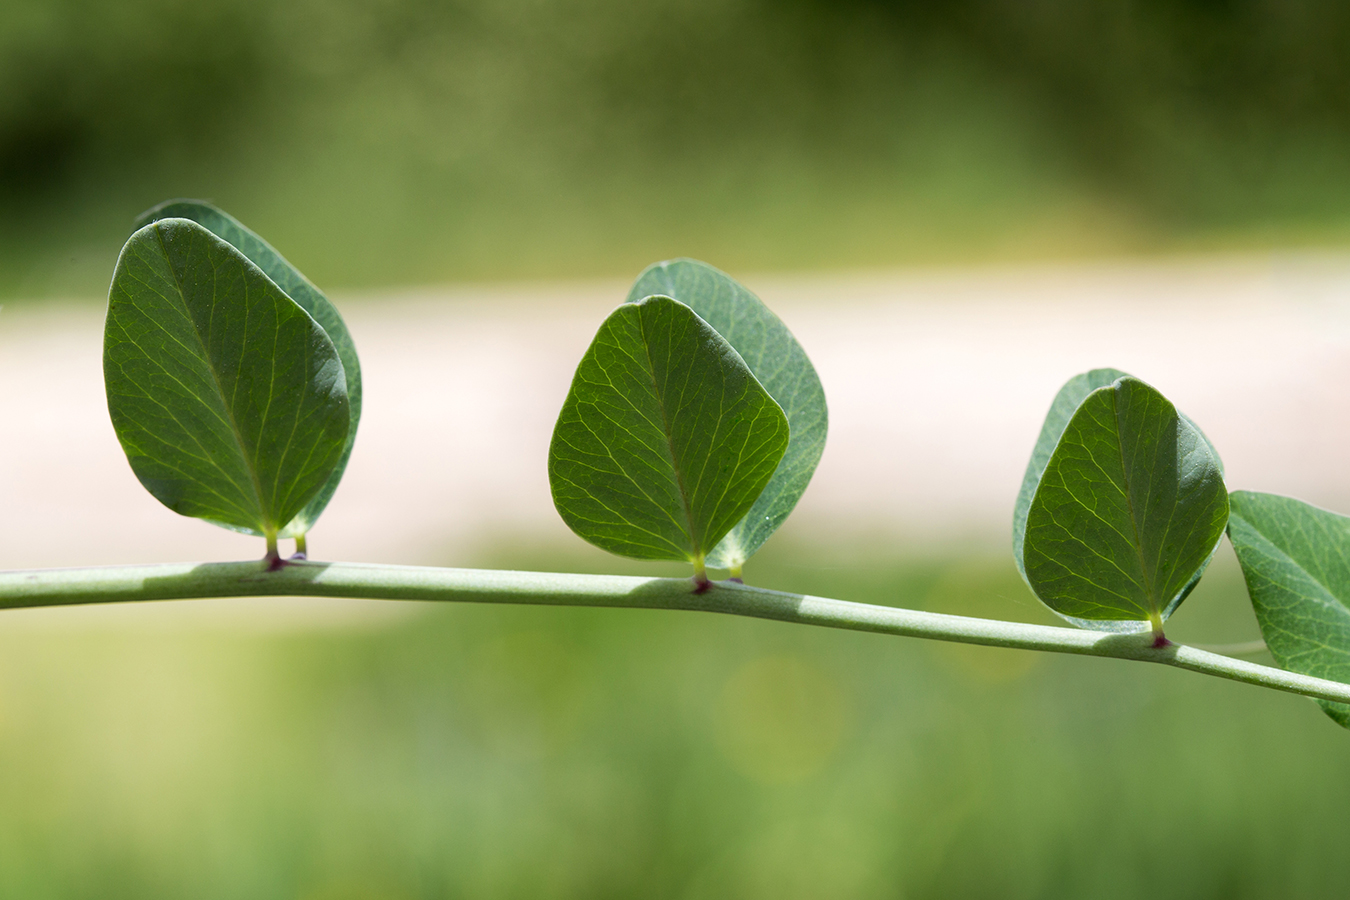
{"x": 58, "y": 587}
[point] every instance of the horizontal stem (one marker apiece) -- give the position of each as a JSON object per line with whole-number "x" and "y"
{"x": 117, "y": 584}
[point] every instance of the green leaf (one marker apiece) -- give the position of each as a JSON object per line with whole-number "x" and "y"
{"x": 1296, "y": 560}
{"x": 1128, "y": 512}
{"x": 780, "y": 365}
{"x": 311, "y": 300}
{"x": 228, "y": 398}
{"x": 665, "y": 439}
{"x": 1066, "y": 403}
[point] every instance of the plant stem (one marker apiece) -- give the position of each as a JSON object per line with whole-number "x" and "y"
{"x": 116, "y": 584}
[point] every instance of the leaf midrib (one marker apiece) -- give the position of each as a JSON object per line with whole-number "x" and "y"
{"x": 668, "y": 433}
{"x": 215, "y": 376}
{"x": 1148, "y": 585}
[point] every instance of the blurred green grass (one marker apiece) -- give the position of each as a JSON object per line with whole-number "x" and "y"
{"x": 534, "y": 752}
{"x": 416, "y": 141}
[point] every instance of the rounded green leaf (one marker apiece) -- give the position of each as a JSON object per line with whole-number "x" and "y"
{"x": 1128, "y": 512}
{"x": 665, "y": 440}
{"x": 779, "y": 363}
{"x": 1295, "y": 558}
{"x": 1065, "y": 404}
{"x": 228, "y": 398}
{"x": 311, "y": 300}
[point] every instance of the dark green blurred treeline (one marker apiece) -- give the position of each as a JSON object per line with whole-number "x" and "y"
{"x": 397, "y": 141}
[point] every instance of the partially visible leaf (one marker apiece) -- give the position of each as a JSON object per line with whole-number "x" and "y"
{"x": 1296, "y": 561}
{"x": 665, "y": 439}
{"x": 778, "y": 362}
{"x": 228, "y": 398}
{"x": 1129, "y": 510}
{"x": 1066, "y": 403}
{"x": 311, "y": 300}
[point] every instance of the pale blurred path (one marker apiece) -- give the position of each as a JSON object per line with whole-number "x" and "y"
{"x": 937, "y": 383}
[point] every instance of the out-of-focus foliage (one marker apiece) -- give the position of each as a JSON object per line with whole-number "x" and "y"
{"x": 504, "y": 137}
{"x": 1196, "y": 107}
{"x": 87, "y": 83}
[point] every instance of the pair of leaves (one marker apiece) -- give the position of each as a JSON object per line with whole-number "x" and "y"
{"x": 232, "y": 382}
{"x": 778, "y": 363}
{"x": 1122, "y": 506}
{"x": 693, "y": 424}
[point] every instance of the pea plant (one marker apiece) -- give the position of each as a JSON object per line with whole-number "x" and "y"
{"x": 693, "y": 425}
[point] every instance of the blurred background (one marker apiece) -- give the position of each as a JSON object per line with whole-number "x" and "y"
{"x": 954, "y": 206}
{"x": 391, "y": 142}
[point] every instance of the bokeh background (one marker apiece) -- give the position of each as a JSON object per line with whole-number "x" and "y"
{"x": 955, "y": 207}
{"x": 415, "y": 141}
